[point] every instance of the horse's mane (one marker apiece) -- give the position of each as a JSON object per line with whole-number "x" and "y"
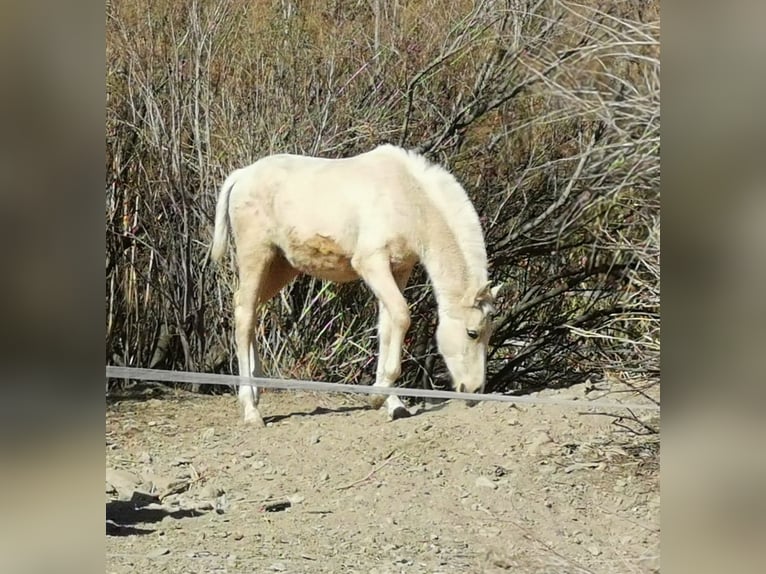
{"x": 449, "y": 197}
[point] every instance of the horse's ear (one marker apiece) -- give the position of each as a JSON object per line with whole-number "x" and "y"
{"x": 485, "y": 298}
{"x": 498, "y": 289}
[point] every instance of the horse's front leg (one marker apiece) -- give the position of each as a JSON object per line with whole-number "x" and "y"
{"x": 393, "y": 322}
{"x": 387, "y": 370}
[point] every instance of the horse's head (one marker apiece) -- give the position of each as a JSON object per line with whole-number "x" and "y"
{"x": 463, "y": 334}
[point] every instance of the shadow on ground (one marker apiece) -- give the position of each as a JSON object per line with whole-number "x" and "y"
{"x": 316, "y": 412}
{"x": 121, "y": 516}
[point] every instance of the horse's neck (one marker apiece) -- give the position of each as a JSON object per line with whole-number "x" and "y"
{"x": 445, "y": 264}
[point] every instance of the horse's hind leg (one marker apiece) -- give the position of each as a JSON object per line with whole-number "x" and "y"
{"x": 245, "y": 305}
{"x": 260, "y": 277}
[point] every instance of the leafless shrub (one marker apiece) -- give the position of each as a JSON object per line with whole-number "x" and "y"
{"x": 547, "y": 111}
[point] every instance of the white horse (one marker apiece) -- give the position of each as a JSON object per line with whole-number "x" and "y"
{"x": 369, "y": 217}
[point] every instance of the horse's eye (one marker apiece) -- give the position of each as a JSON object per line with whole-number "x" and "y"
{"x": 473, "y": 334}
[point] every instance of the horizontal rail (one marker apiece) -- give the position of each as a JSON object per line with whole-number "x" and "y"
{"x": 113, "y": 372}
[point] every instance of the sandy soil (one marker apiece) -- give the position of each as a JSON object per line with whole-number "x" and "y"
{"x": 331, "y": 486}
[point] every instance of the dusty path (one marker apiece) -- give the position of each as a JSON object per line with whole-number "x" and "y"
{"x": 494, "y": 488}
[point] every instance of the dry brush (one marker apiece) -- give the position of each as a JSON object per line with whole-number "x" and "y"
{"x": 547, "y": 111}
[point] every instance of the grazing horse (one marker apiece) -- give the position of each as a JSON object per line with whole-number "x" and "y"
{"x": 370, "y": 217}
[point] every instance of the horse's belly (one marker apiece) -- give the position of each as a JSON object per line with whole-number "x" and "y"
{"x": 321, "y": 257}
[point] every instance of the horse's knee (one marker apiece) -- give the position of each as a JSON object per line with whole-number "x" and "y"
{"x": 400, "y": 318}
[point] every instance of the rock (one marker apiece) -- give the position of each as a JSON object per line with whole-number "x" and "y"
{"x": 221, "y": 504}
{"x": 593, "y": 550}
{"x": 141, "y": 498}
{"x": 211, "y": 491}
{"x": 123, "y": 482}
{"x": 164, "y": 486}
{"x": 296, "y": 498}
{"x": 541, "y": 443}
{"x": 278, "y": 567}
{"x": 484, "y": 482}
{"x": 580, "y": 466}
{"x": 324, "y": 476}
{"x": 313, "y": 439}
{"x": 145, "y": 458}
{"x": 157, "y": 552}
{"x": 208, "y": 433}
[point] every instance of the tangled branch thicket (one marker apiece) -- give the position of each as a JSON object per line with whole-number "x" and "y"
{"x": 547, "y": 111}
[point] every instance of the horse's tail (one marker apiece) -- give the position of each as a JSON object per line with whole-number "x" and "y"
{"x": 221, "y": 232}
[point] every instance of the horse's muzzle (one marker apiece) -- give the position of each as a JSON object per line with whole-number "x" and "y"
{"x": 461, "y": 389}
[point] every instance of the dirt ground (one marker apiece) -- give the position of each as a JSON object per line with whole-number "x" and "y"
{"x": 331, "y": 486}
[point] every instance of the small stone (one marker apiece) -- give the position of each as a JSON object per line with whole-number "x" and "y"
{"x": 278, "y": 567}
{"x": 324, "y": 476}
{"x": 484, "y": 482}
{"x": 208, "y": 433}
{"x": 238, "y": 536}
{"x": 540, "y": 444}
{"x": 211, "y": 491}
{"x": 157, "y": 552}
{"x": 221, "y": 504}
{"x": 123, "y": 482}
{"x": 152, "y": 423}
{"x": 296, "y": 498}
{"x": 593, "y": 550}
{"x": 145, "y": 458}
{"x": 313, "y": 439}
{"x": 246, "y": 454}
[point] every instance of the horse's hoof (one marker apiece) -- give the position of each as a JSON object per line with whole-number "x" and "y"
{"x": 254, "y": 419}
{"x": 399, "y": 413}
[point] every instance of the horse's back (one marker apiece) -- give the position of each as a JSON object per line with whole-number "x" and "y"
{"x": 369, "y": 190}
{"x": 321, "y": 213}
